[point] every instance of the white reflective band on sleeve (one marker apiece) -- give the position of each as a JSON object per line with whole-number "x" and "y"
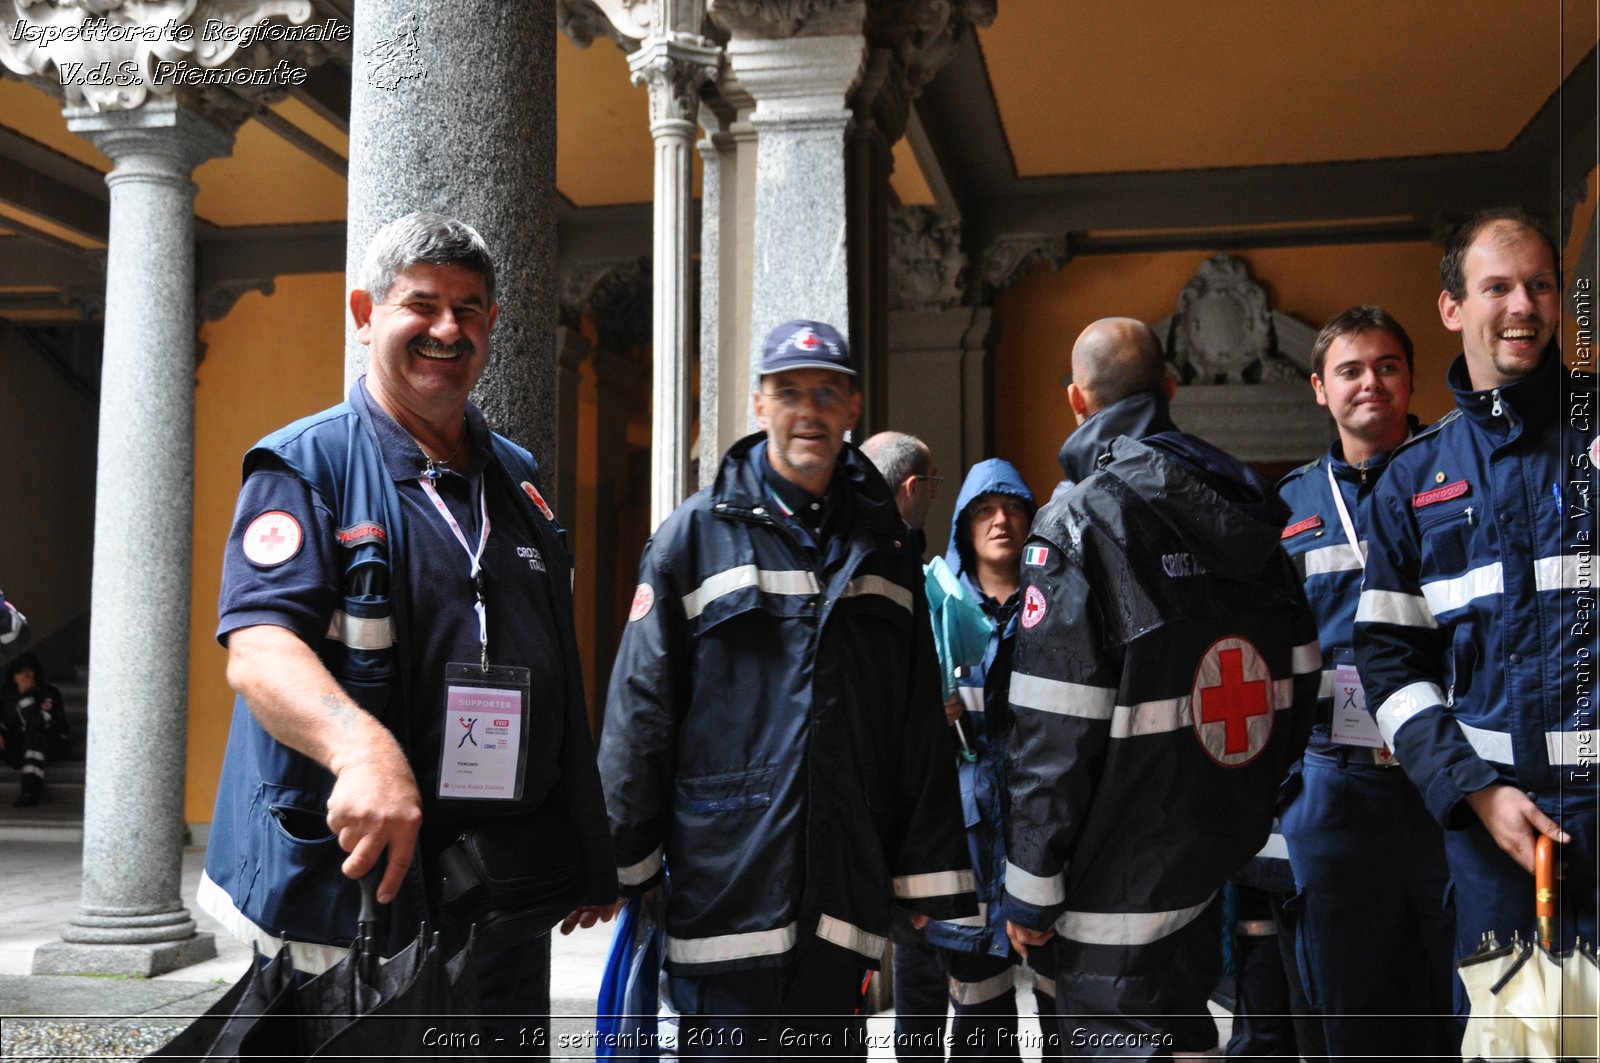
{"x": 1275, "y": 849}
{"x": 864, "y": 585}
{"x": 1490, "y": 745}
{"x": 982, "y": 992}
{"x": 1336, "y": 558}
{"x": 731, "y": 946}
{"x": 1572, "y": 747}
{"x": 1125, "y": 928}
{"x": 1393, "y": 607}
{"x": 374, "y": 634}
{"x": 643, "y": 871}
{"x": 1403, "y": 704}
{"x": 981, "y": 919}
{"x": 1044, "y": 985}
{"x": 1174, "y": 714}
{"x": 851, "y": 937}
{"x": 1033, "y": 889}
{"x": 308, "y": 957}
{"x": 934, "y": 884}
{"x": 972, "y": 699}
{"x": 784, "y": 581}
{"x": 1325, "y": 688}
{"x": 1061, "y": 697}
{"x": 1306, "y": 658}
{"x": 1564, "y": 572}
{"x": 1443, "y": 595}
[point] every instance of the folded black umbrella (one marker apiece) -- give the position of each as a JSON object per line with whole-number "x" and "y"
{"x": 416, "y": 1004}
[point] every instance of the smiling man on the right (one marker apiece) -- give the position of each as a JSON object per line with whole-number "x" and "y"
{"x": 1471, "y": 635}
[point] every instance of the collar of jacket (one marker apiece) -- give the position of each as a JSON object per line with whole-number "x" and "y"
{"x": 1352, "y": 473}
{"x": 402, "y": 456}
{"x": 1535, "y": 398}
{"x": 739, "y": 489}
{"x": 1226, "y": 515}
{"x": 1136, "y": 416}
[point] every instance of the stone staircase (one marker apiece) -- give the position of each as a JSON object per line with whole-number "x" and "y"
{"x": 59, "y": 816}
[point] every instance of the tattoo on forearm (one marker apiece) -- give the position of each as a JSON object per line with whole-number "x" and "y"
{"x": 340, "y": 709}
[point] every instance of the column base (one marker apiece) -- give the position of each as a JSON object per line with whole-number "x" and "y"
{"x": 138, "y": 961}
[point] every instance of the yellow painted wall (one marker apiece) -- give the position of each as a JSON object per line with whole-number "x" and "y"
{"x": 271, "y": 360}
{"x": 1041, "y": 316}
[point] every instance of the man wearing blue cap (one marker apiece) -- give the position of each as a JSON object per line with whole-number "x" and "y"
{"x": 774, "y": 747}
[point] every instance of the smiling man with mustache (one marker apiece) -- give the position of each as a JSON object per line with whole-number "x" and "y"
{"x": 1470, "y": 635}
{"x": 394, "y": 581}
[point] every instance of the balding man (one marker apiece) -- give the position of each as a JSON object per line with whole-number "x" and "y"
{"x": 1120, "y": 387}
{"x": 1165, "y": 677}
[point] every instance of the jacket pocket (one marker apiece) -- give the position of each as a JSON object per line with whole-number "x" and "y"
{"x": 736, "y": 792}
{"x": 1447, "y": 535}
{"x": 299, "y": 890}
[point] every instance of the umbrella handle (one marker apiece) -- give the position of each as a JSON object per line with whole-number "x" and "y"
{"x": 373, "y": 924}
{"x": 1544, "y": 888}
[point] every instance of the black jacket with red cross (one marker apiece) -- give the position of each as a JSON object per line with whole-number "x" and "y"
{"x": 1165, "y": 677}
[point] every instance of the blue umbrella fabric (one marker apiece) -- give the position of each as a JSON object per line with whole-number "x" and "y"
{"x": 961, "y": 628}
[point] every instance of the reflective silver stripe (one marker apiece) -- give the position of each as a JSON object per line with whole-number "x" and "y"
{"x": 1306, "y": 658}
{"x": 981, "y": 919}
{"x": 1394, "y": 607}
{"x": 1564, "y": 572}
{"x": 731, "y": 946}
{"x": 308, "y": 957}
{"x": 14, "y": 621}
{"x": 1443, "y": 595}
{"x": 864, "y": 585}
{"x": 1490, "y": 745}
{"x": 1336, "y": 558}
{"x": 1061, "y": 697}
{"x": 849, "y": 936}
{"x": 1174, "y": 714}
{"x": 934, "y": 884}
{"x": 982, "y": 992}
{"x": 1275, "y": 849}
{"x": 376, "y": 633}
{"x": 1125, "y": 928}
{"x": 1571, "y": 747}
{"x": 1041, "y": 892}
{"x": 1325, "y": 688}
{"x": 972, "y": 698}
{"x": 1403, "y": 704}
{"x": 643, "y": 871}
{"x": 1044, "y": 985}
{"x": 770, "y": 581}
{"x": 32, "y": 769}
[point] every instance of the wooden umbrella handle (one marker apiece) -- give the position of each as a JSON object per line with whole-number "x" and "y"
{"x": 1544, "y": 886}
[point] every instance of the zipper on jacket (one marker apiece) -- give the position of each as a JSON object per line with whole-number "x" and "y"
{"x": 1495, "y": 410}
{"x": 1363, "y": 468}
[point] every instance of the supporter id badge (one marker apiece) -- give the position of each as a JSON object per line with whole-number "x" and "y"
{"x": 485, "y": 717}
{"x": 1351, "y": 723}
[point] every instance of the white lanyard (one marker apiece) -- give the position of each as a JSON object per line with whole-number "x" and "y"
{"x": 1344, "y": 519}
{"x": 480, "y": 606}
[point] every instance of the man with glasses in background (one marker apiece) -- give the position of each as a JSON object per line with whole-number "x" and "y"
{"x": 773, "y": 736}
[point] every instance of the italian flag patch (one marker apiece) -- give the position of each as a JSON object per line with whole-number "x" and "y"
{"x": 1035, "y": 555}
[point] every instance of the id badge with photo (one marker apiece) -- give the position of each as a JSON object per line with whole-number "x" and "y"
{"x": 1351, "y": 724}
{"x": 485, "y": 721}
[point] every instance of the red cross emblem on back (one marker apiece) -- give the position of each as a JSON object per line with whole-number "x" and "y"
{"x": 1231, "y": 702}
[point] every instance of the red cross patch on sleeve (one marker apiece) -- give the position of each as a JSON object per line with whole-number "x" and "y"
{"x": 272, "y": 538}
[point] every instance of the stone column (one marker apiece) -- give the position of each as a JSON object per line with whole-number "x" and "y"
{"x": 674, "y": 69}
{"x": 727, "y": 231}
{"x": 452, "y": 108}
{"x": 130, "y": 919}
{"x": 801, "y": 86}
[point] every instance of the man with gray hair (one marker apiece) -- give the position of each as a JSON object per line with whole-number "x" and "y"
{"x": 907, "y": 467}
{"x": 395, "y": 590}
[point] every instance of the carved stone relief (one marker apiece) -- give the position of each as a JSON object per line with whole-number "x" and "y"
{"x": 926, "y": 265}
{"x": 1011, "y": 256}
{"x": 1223, "y": 331}
{"x": 615, "y": 296}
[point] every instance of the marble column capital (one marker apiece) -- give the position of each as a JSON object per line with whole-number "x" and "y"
{"x": 786, "y": 18}
{"x": 674, "y": 69}
{"x": 798, "y": 77}
{"x": 160, "y": 141}
{"x": 224, "y": 58}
